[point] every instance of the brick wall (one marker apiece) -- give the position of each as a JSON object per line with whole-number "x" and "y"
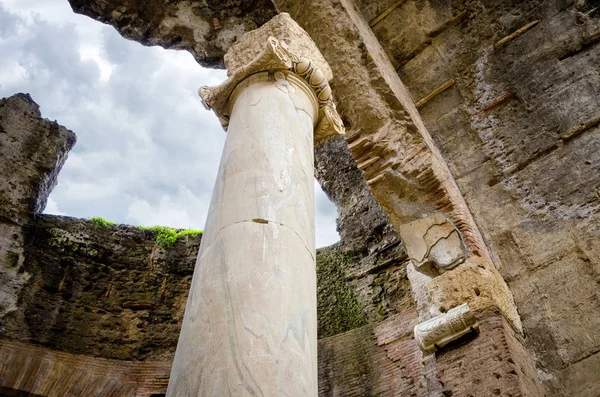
{"x": 374, "y": 360}
{"x": 493, "y": 363}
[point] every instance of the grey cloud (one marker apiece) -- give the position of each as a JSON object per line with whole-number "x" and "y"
{"x": 113, "y": 48}
{"x": 9, "y": 22}
{"x": 54, "y": 50}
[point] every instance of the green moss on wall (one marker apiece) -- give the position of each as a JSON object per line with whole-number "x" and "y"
{"x": 101, "y": 222}
{"x": 11, "y": 259}
{"x": 166, "y": 237}
{"x": 338, "y": 308}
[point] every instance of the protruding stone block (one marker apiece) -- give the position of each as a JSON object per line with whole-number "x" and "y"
{"x": 434, "y": 244}
{"x": 32, "y": 152}
{"x": 445, "y": 328}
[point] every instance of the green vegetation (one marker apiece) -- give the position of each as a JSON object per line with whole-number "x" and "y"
{"x": 166, "y": 237}
{"x": 12, "y": 259}
{"x": 101, "y": 222}
{"x": 338, "y": 308}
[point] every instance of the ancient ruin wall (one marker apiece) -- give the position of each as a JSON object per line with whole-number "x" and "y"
{"x": 32, "y": 152}
{"x": 101, "y": 291}
{"x": 510, "y": 92}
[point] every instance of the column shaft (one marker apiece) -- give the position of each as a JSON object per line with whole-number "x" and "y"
{"x": 250, "y": 327}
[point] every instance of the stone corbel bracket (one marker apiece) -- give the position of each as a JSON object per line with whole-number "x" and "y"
{"x": 278, "y": 57}
{"x": 445, "y": 328}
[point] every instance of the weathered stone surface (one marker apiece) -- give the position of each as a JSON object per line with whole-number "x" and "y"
{"x": 369, "y": 259}
{"x": 250, "y": 325}
{"x": 106, "y": 292}
{"x": 405, "y": 170}
{"x": 362, "y": 223}
{"x": 32, "y": 152}
{"x": 283, "y": 28}
{"x": 373, "y": 9}
{"x": 205, "y": 28}
{"x": 338, "y": 308}
{"x": 433, "y": 244}
{"x": 477, "y": 283}
{"x": 354, "y": 290}
{"x": 517, "y": 129}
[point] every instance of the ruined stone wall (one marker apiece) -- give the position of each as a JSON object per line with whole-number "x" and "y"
{"x": 108, "y": 292}
{"x": 368, "y": 265}
{"x": 113, "y": 292}
{"x": 510, "y": 93}
{"x": 32, "y": 152}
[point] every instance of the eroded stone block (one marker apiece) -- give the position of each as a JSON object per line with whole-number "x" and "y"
{"x": 445, "y": 328}
{"x": 433, "y": 244}
{"x": 477, "y": 283}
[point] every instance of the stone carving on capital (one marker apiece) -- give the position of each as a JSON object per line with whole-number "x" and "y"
{"x": 437, "y": 332}
{"x": 278, "y": 57}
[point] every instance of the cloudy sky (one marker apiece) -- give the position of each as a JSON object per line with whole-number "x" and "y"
{"x": 147, "y": 151}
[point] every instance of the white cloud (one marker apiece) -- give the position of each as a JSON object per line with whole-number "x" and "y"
{"x": 52, "y": 207}
{"x": 184, "y": 210}
{"x": 147, "y": 151}
{"x": 325, "y": 217}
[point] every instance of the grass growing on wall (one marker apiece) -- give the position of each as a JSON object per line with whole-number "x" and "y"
{"x": 166, "y": 237}
{"x": 101, "y": 222}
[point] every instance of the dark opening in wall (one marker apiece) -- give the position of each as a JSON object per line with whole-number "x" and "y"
{"x": 8, "y": 392}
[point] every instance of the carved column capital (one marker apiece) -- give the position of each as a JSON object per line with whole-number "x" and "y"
{"x": 278, "y": 57}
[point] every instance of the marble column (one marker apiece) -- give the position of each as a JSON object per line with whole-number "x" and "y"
{"x": 250, "y": 326}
